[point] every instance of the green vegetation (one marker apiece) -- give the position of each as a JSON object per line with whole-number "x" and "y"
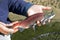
{"x": 55, "y": 3}
{"x": 29, "y": 34}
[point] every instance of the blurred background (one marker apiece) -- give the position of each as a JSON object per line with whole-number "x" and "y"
{"x": 53, "y": 28}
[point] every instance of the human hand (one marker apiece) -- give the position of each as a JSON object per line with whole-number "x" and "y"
{"x": 37, "y": 9}
{"x": 11, "y": 26}
{"x": 5, "y": 30}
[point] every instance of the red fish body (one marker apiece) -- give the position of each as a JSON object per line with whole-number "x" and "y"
{"x": 29, "y": 21}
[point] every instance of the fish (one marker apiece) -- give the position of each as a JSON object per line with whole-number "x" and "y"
{"x": 29, "y": 21}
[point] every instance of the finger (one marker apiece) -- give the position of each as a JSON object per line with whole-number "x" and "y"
{"x": 45, "y": 7}
{"x": 2, "y": 23}
{"x": 15, "y": 30}
{"x": 11, "y": 24}
{"x": 38, "y": 23}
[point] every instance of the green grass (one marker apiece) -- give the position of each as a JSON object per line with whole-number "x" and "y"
{"x": 29, "y": 34}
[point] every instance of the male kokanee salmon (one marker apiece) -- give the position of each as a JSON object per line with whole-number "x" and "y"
{"x": 29, "y": 21}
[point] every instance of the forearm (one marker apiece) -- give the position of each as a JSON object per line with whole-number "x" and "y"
{"x": 19, "y": 7}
